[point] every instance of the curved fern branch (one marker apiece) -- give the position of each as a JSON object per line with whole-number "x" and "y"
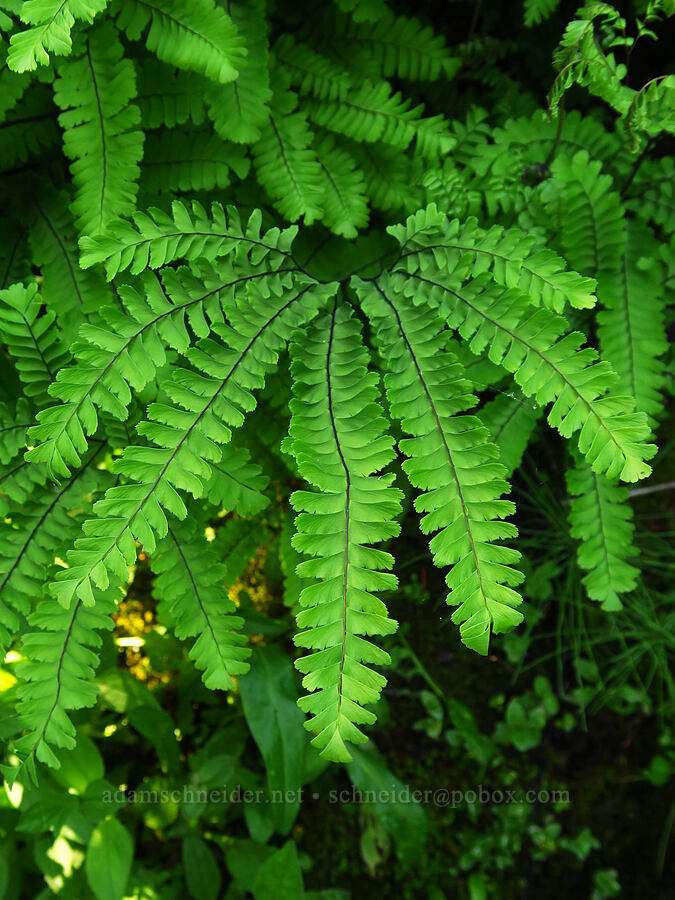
{"x": 337, "y": 437}
{"x": 452, "y": 460}
{"x": 186, "y": 437}
{"x": 125, "y": 349}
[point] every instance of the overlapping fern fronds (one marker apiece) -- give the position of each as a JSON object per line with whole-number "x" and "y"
{"x": 137, "y": 411}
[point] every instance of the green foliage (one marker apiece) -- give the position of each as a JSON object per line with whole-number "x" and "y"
{"x": 337, "y": 437}
{"x": 452, "y": 460}
{"x": 275, "y": 282}
{"x": 95, "y": 93}
{"x": 189, "y": 582}
{"x": 51, "y": 22}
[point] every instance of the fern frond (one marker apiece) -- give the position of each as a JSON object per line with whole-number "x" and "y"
{"x": 61, "y": 654}
{"x": 632, "y": 328}
{"x": 31, "y": 338}
{"x": 373, "y": 113}
{"x": 652, "y": 194}
{"x": 30, "y": 542}
{"x": 387, "y": 174}
{"x": 18, "y": 479}
{"x": 289, "y": 560}
{"x": 580, "y": 58}
{"x": 236, "y": 483}
{"x": 189, "y": 162}
{"x": 394, "y": 46}
{"x": 602, "y": 520}
{"x": 338, "y": 438}
{"x": 14, "y": 425}
{"x": 187, "y": 34}
{"x": 156, "y": 239}
{"x": 14, "y": 262}
{"x": 51, "y": 21}
{"x": 477, "y": 369}
{"x": 100, "y": 134}
{"x": 122, "y": 351}
{"x": 510, "y": 421}
{"x": 311, "y": 72}
{"x": 169, "y": 97}
{"x": 240, "y": 110}
{"x": 531, "y": 344}
{"x": 28, "y": 133}
{"x": 286, "y": 164}
{"x": 344, "y": 202}
{"x": 13, "y": 86}
{"x": 652, "y": 110}
{"x": 209, "y": 400}
{"x": 192, "y": 584}
{"x": 533, "y": 137}
{"x": 512, "y": 257}
{"x": 65, "y": 288}
{"x": 450, "y": 459}
{"x": 587, "y": 214}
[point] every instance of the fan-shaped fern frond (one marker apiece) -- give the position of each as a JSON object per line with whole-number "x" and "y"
{"x": 539, "y": 10}
{"x": 187, "y": 34}
{"x": 388, "y": 176}
{"x": 12, "y": 88}
{"x": 363, "y": 10}
{"x": 337, "y": 436}
{"x": 451, "y": 459}
{"x": 652, "y": 193}
{"x": 14, "y": 263}
{"x": 18, "y": 478}
{"x": 208, "y": 402}
{"x": 192, "y": 582}
{"x": 580, "y": 58}
{"x": 14, "y": 425}
{"x": 27, "y": 131}
{"x": 652, "y": 110}
{"x": 532, "y": 138}
{"x": 51, "y": 21}
{"x": 31, "y": 338}
{"x": 100, "y": 135}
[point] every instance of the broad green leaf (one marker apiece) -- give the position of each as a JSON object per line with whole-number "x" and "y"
{"x": 269, "y": 696}
{"x": 202, "y": 874}
{"x": 108, "y": 860}
{"x": 279, "y": 877}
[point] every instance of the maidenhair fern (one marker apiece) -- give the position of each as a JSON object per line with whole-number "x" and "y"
{"x": 174, "y": 349}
